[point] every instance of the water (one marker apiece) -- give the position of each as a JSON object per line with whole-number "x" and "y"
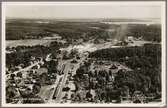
{"x": 135, "y": 22}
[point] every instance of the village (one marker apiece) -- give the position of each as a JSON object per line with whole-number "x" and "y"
{"x": 72, "y": 77}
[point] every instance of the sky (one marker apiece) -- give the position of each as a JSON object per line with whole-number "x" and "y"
{"x": 83, "y": 11}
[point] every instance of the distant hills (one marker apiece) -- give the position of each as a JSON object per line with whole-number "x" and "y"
{"x": 86, "y": 20}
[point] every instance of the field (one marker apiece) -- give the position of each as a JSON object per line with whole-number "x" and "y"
{"x": 28, "y": 42}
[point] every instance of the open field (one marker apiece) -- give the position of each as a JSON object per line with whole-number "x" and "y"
{"x": 28, "y": 42}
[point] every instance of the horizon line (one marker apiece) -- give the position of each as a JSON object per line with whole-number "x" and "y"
{"x": 84, "y": 18}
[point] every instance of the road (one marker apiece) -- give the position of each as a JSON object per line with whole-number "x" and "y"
{"x": 62, "y": 84}
{"x": 47, "y": 92}
{"x": 24, "y": 69}
{"x": 66, "y": 70}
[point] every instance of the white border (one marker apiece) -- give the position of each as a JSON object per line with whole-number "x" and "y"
{"x": 127, "y": 3}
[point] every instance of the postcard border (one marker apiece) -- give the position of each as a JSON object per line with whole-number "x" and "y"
{"x": 72, "y": 105}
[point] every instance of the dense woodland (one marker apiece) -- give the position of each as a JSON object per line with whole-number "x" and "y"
{"x": 23, "y": 54}
{"x": 16, "y": 30}
{"x": 75, "y": 30}
{"x": 147, "y": 32}
{"x": 145, "y": 62}
{"x": 145, "y": 76}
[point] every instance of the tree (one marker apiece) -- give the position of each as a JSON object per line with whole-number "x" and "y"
{"x": 19, "y": 74}
{"x": 36, "y": 88}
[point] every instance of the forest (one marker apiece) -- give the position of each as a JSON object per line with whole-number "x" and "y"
{"x": 23, "y": 54}
{"x": 68, "y": 30}
{"x": 145, "y": 76}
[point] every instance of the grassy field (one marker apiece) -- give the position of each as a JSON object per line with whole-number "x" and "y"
{"x": 28, "y": 42}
